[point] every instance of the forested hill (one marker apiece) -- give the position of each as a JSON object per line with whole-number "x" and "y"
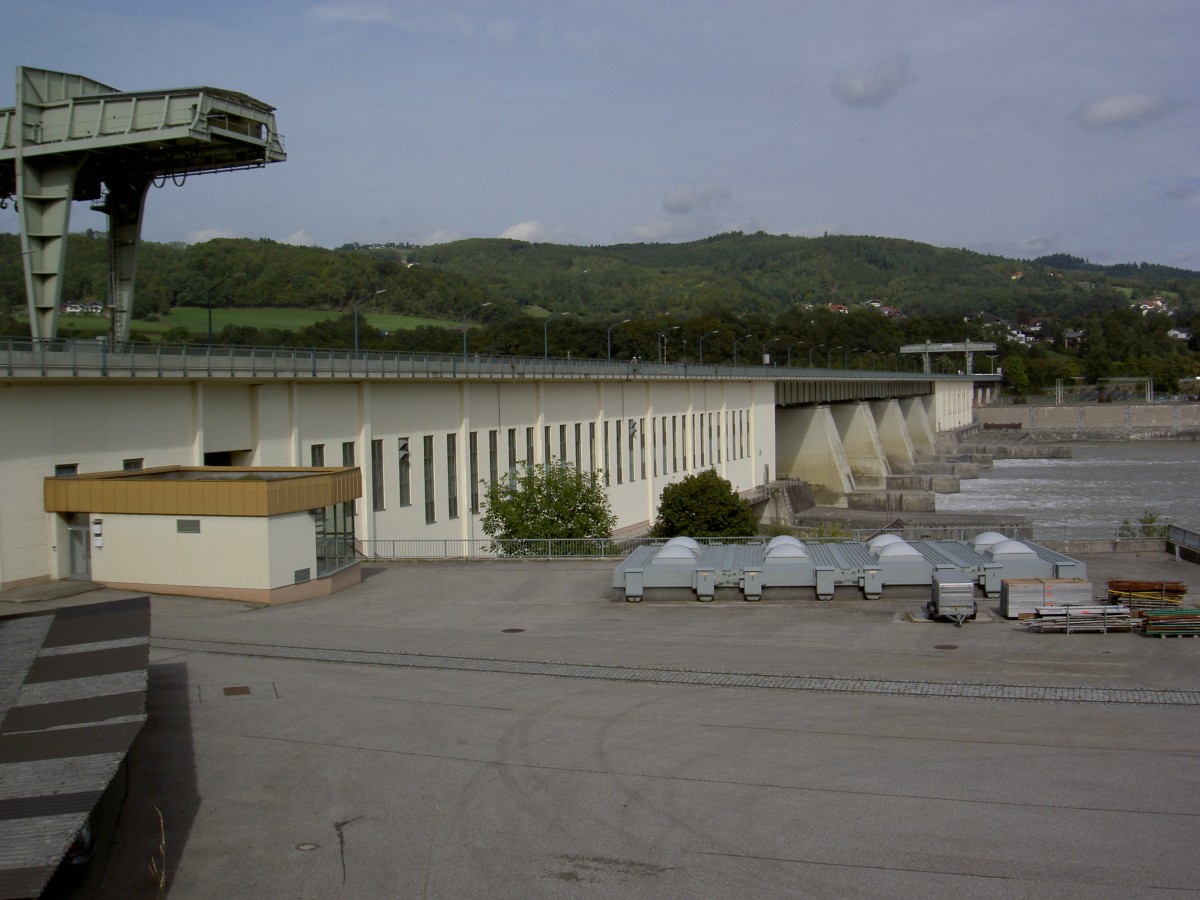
{"x": 729, "y": 274}
{"x": 766, "y": 273}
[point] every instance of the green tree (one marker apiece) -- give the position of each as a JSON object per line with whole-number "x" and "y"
{"x": 539, "y": 502}
{"x": 703, "y": 505}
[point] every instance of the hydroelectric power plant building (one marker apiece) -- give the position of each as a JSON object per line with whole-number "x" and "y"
{"x": 224, "y": 456}
{"x": 258, "y": 474}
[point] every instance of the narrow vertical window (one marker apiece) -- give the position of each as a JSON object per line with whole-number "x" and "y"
{"x": 348, "y": 453}
{"x": 665, "y": 469}
{"x": 642, "y": 440}
{"x": 591, "y": 446}
{"x": 607, "y": 477}
{"x": 405, "y": 472}
{"x": 377, "y": 490}
{"x": 452, "y": 476}
{"x": 473, "y": 453}
{"x": 674, "y": 445}
{"x": 546, "y": 444}
{"x": 578, "y": 448}
{"x": 562, "y": 442}
{"x": 493, "y": 456}
{"x": 620, "y": 467}
{"x": 529, "y": 446}
{"x": 683, "y": 440}
{"x": 632, "y": 431}
{"x": 654, "y": 446}
{"x": 317, "y": 455}
{"x": 430, "y": 505}
{"x": 512, "y": 451}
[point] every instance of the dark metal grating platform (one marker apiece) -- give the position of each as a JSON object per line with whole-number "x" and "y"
{"x": 73, "y": 698}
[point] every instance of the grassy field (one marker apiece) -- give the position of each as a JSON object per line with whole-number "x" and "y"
{"x": 195, "y": 320}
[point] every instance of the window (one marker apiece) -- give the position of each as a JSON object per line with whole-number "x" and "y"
{"x": 377, "y": 496}
{"x": 578, "y": 447}
{"x": 133, "y": 465}
{"x": 562, "y": 442}
{"x": 66, "y": 470}
{"x": 683, "y": 441}
{"x": 591, "y": 446}
{"x": 665, "y": 469}
{"x": 335, "y": 537}
{"x": 546, "y": 444}
{"x": 430, "y": 508}
{"x": 452, "y": 476}
{"x": 700, "y": 440}
{"x": 632, "y": 436}
{"x": 317, "y": 455}
{"x": 493, "y": 456}
{"x": 674, "y": 445}
{"x": 187, "y": 526}
{"x": 512, "y": 451}
{"x": 718, "y": 437}
{"x": 741, "y": 434}
{"x": 529, "y": 446}
{"x": 653, "y": 447}
{"x": 473, "y": 456}
{"x": 642, "y": 439}
{"x": 620, "y": 467}
{"x": 607, "y": 477}
{"x": 405, "y": 473}
{"x": 348, "y": 453}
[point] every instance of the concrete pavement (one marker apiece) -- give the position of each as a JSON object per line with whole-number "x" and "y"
{"x": 359, "y": 746}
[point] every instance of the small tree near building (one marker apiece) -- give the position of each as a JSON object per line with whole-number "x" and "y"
{"x": 703, "y": 505}
{"x": 542, "y": 502}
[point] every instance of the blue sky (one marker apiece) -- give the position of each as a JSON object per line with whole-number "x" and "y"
{"x": 1018, "y": 127}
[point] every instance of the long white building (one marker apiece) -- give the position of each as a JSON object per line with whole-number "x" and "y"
{"x": 424, "y": 432}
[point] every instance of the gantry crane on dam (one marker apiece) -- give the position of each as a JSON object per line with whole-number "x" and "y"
{"x": 72, "y": 138}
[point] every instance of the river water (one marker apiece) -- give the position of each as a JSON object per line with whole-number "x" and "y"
{"x": 1102, "y": 485}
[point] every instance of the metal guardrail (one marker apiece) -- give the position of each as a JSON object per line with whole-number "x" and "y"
{"x": 90, "y": 358}
{"x": 616, "y": 548}
{"x": 1183, "y": 537}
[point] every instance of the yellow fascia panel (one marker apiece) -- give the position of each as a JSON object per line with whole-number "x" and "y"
{"x": 203, "y": 491}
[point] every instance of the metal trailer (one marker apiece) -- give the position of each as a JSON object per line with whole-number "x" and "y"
{"x": 952, "y": 596}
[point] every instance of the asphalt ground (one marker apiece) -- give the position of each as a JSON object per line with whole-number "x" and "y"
{"x": 505, "y": 729}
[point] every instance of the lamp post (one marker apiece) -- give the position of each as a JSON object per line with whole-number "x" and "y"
{"x": 356, "y": 302}
{"x": 546, "y": 334}
{"x": 789, "y": 352}
{"x": 467, "y": 313}
{"x": 767, "y": 344}
{"x": 702, "y": 337}
{"x": 662, "y": 343}
{"x": 736, "y": 341}
{"x": 610, "y": 331}
{"x": 209, "y": 292}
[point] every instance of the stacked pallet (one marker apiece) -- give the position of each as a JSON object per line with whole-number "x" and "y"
{"x": 1021, "y": 597}
{"x": 1146, "y": 595}
{"x": 1172, "y": 622}
{"x": 1077, "y": 619}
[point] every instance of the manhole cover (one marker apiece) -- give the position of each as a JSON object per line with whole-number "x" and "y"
{"x": 945, "y": 646}
{"x": 307, "y": 847}
{"x": 513, "y": 630}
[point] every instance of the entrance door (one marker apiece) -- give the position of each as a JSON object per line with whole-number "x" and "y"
{"x": 81, "y": 552}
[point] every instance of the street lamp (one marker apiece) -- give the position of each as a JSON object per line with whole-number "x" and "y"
{"x": 662, "y": 343}
{"x": 610, "y": 331}
{"x": 356, "y": 302}
{"x": 546, "y": 334}
{"x": 467, "y": 313}
{"x": 702, "y": 337}
{"x": 209, "y": 292}
{"x": 736, "y": 341}
{"x": 767, "y": 344}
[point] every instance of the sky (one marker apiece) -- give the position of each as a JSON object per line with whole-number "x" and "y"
{"x": 1015, "y": 127}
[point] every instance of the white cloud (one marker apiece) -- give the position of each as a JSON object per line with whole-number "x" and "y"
{"x": 876, "y": 85}
{"x": 300, "y": 238}
{"x": 687, "y": 200}
{"x": 442, "y": 236}
{"x": 534, "y": 232}
{"x": 208, "y": 234}
{"x": 1122, "y": 111}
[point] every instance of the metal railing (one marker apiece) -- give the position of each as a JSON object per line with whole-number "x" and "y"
{"x": 102, "y": 357}
{"x": 616, "y": 548}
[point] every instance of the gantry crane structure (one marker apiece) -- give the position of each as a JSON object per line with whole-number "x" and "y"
{"x": 71, "y": 138}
